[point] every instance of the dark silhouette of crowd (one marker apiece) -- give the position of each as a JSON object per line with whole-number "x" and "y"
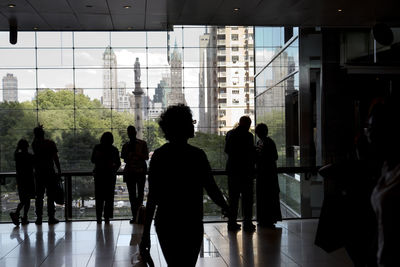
{"x": 179, "y": 172}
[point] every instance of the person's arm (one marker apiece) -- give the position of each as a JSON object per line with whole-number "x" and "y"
{"x": 93, "y": 157}
{"x": 56, "y": 159}
{"x": 212, "y": 189}
{"x": 117, "y": 160}
{"x": 150, "y": 206}
{"x": 274, "y": 151}
{"x": 124, "y": 152}
{"x": 145, "y": 151}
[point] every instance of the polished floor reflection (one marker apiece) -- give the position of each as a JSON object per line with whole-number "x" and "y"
{"x": 116, "y": 244}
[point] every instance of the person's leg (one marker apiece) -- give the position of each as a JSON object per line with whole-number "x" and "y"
{"x": 140, "y": 184}
{"x": 131, "y": 185}
{"x": 51, "y": 208}
{"x": 247, "y": 203}
{"x": 19, "y": 207}
{"x": 40, "y": 189}
{"x": 99, "y": 200}
{"x": 234, "y": 194}
{"x": 27, "y": 205}
{"x": 180, "y": 249}
{"x": 109, "y": 200}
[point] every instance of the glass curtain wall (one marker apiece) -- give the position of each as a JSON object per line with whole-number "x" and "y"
{"x": 277, "y": 85}
{"x": 80, "y": 84}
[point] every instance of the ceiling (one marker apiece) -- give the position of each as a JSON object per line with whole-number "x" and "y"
{"x": 138, "y": 15}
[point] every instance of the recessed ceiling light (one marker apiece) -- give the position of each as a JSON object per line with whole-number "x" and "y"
{"x": 127, "y": 7}
{"x": 340, "y": 10}
{"x": 35, "y": 28}
{"x": 236, "y": 9}
{"x": 11, "y": 5}
{"x": 130, "y": 28}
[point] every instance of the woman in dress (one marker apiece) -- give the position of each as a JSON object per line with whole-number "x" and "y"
{"x": 105, "y": 157}
{"x": 267, "y": 190}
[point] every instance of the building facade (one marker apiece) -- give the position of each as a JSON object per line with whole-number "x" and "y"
{"x": 228, "y": 70}
{"x": 10, "y": 88}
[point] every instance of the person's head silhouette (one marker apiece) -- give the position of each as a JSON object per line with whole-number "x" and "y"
{"x": 244, "y": 123}
{"x": 177, "y": 123}
{"x": 262, "y": 130}
{"x": 22, "y": 145}
{"x": 38, "y": 132}
{"x": 107, "y": 139}
{"x": 131, "y": 130}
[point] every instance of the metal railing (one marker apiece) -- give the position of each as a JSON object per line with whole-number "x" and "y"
{"x": 67, "y": 178}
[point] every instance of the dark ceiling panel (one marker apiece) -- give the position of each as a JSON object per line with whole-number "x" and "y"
{"x": 158, "y": 14}
{"x": 129, "y": 22}
{"x": 95, "y": 22}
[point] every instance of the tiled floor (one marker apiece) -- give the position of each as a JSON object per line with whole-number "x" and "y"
{"x": 87, "y": 244}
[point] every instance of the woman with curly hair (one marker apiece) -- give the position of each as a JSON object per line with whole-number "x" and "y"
{"x": 178, "y": 174}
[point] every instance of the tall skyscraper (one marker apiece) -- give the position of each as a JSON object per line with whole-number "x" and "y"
{"x": 230, "y": 77}
{"x": 115, "y": 95}
{"x": 110, "y": 80}
{"x": 10, "y": 88}
{"x": 175, "y": 95}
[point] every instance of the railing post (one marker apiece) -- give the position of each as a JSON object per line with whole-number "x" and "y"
{"x": 68, "y": 197}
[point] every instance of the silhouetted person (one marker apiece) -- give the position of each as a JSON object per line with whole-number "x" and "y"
{"x": 45, "y": 156}
{"x": 135, "y": 154}
{"x": 240, "y": 167}
{"x": 106, "y": 161}
{"x": 384, "y": 136}
{"x": 25, "y": 182}
{"x": 178, "y": 174}
{"x": 267, "y": 190}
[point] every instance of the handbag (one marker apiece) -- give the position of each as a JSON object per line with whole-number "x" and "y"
{"x": 59, "y": 192}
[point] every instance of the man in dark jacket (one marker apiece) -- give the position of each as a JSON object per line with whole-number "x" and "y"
{"x": 241, "y": 168}
{"x": 135, "y": 154}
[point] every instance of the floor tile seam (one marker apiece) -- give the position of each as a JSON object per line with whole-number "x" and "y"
{"x": 49, "y": 252}
{"x": 291, "y": 258}
{"x": 223, "y": 236}
{"x": 19, "y": 244}
{"x": 212, "y": 242}
{"x": 116, "y": 243}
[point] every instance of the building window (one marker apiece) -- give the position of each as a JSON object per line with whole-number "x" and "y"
{"x": 222, "y": 100}
{"x": 221, "y": 37}
{"x": 222, "y": 79}
{"x": 235, "y": 92}
{"x": 235, "y": 59}
{"x": 235, "y": 101}
{"x": 235, "y": 48}
{"x": 234, "y": 28}
{"x": 221, "y": 58}
{"x": 235, "y": 37}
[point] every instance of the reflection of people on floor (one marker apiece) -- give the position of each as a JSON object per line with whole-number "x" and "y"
{"x": 46, "y": 156}
{"x": 240, "y": 167}
{"x": 269, "y": 253}
{"x": 135, "y": 154}
{"x": 267, "y": 190}
{"x": 105, "y": 157}
{"x": 178, "y": 174}
{"x": 104, "y": 256}
{"x": 24, "y": 244}
{"x": 234, "y": 254}
{"x": 25, "y": 181}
